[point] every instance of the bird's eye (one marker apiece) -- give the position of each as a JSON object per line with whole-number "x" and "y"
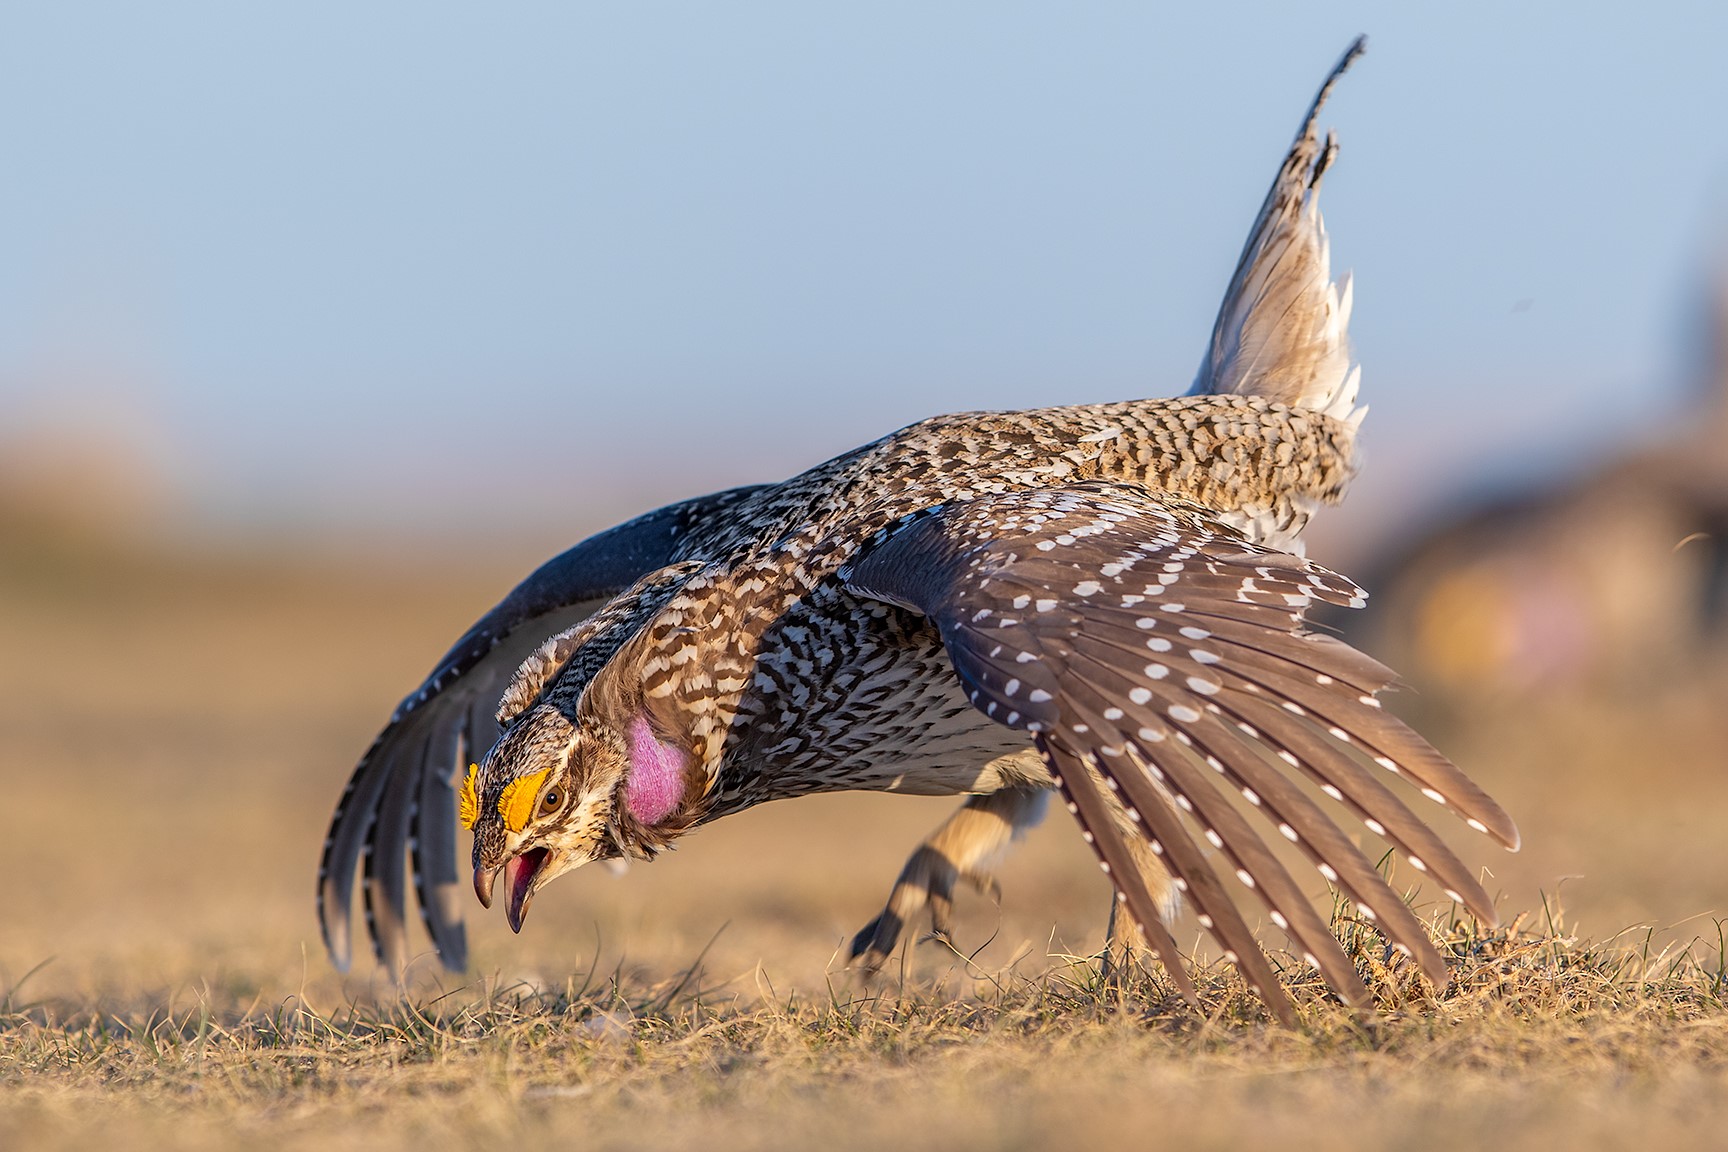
{"x": 550, "y": 801}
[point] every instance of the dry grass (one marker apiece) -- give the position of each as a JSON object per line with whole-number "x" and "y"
{"x": 1543, "y": 1040}
{"x": 175, "y": 731}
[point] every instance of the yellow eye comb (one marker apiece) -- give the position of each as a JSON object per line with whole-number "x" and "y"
{"x": 517, "y": 802}
{"x": 468, "y": 802}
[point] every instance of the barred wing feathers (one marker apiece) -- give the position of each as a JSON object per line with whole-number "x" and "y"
{"x": 1141, "y": 636}
{"x": 399, "y": 808}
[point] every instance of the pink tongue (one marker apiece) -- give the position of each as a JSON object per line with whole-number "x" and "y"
{"x": 656, "y": 784}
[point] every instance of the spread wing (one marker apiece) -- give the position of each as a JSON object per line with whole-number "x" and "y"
{"x": 399, "y": 809}
{"x": 1141, "y": 637}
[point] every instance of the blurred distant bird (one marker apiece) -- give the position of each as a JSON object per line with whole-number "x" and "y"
{"x": 1098, "y": 600}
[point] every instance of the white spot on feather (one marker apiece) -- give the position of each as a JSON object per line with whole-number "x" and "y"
{"x": 1102, "y": 435}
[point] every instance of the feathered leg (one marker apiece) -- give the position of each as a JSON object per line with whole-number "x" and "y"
{"x": 1125, "y": 947}
{"x": 969, "y": 845}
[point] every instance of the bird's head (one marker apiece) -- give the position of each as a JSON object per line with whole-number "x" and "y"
{"x": 566, "y": 786}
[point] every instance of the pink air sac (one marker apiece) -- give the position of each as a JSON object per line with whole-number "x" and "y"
{"x": 656, "y": 784}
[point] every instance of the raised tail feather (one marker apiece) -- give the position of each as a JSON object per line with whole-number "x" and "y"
{"x": 1282, "y": 332}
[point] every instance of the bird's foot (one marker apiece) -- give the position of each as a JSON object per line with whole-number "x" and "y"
{"x": 927, "y": 882}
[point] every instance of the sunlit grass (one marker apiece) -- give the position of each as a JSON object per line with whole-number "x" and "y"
{"x": 1529, "y": 1005}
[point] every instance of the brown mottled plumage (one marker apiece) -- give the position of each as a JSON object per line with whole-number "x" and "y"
{"x": 1094, "y": 599}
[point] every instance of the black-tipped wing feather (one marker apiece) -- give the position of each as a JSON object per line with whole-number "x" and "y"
{"x": 399, "y": 807}
{"x": 1140, "y": 636}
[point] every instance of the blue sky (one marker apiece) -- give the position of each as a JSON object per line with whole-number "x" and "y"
{"x": 544, "y": 264}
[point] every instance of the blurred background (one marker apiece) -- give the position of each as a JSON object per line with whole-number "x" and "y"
{"x": 319, "y": 325}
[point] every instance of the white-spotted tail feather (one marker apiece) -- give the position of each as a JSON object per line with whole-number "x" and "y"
{"x": 1282, "y": 332}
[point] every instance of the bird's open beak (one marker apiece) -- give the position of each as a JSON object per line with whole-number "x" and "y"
{"x": 521, "y": 872}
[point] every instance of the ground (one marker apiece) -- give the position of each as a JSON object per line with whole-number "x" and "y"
{"x": 178, "y": 723}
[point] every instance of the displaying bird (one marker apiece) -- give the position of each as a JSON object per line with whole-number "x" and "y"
{"x": 1099, "y": 601}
